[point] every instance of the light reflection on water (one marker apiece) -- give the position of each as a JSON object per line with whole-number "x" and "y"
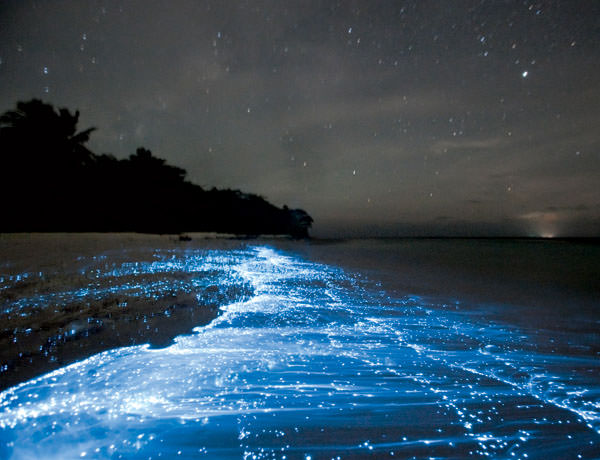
{"x": 316, "y": 364}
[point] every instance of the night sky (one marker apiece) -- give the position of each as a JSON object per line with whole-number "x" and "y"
{"x": 378, "y": 118}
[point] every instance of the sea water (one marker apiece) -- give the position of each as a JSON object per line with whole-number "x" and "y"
{"x": 320, "y": 362}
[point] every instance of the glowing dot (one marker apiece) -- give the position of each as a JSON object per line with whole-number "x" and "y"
{"x": 524, "y": 74}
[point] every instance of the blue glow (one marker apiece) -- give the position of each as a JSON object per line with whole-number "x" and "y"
{"x": 317, "y": 364}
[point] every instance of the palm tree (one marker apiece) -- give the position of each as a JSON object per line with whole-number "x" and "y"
{"x": 35, "y": 133}
{"x": 44, "y": 163}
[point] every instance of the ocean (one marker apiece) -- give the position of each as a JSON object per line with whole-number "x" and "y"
{"x": 406, "y": 348}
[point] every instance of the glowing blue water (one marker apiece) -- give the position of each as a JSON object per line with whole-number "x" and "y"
{"x": 318, "y": 364}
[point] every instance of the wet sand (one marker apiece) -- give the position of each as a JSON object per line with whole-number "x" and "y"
{"x": 45, "y": 341}
{"x": 60, "y": 302}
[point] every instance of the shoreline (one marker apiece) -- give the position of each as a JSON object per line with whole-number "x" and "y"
{"x": 66, "y": 297}
{"x": 47, "y": 342}
{"x": 50, "y": 336}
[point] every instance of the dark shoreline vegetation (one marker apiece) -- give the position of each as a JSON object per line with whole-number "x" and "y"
{"x": 51, "y": 182}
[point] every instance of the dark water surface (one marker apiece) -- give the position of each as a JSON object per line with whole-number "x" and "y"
{"x": 378, "y": 349}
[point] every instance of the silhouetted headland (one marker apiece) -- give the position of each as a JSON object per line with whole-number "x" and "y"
{"x": 50, "y": 181}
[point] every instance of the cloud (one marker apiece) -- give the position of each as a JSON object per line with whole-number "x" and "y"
{"x": 466, "y": 144}
{"x": 542, "y": 216}
{"x": 401, "y": 120}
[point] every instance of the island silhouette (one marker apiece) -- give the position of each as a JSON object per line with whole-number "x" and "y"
{"x": 51, "y": 182}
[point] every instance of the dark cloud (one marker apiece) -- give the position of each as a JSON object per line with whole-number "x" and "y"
{"x": 374, "y": 116}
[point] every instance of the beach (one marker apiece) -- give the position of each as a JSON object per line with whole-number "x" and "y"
{"x": 270, "y": 348}
{"x": 66, "y": 297}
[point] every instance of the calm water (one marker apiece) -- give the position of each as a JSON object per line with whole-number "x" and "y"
{"x": 323, "y": 362}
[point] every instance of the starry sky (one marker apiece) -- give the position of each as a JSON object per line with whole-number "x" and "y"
{"x": 379, "y": 118}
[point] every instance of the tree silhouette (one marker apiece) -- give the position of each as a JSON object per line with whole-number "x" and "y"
{"x": 44, "y": 134}
{"x": 153, "y": 169}
{"x": 42, "y": 157}
{"x": 52, "y": 182}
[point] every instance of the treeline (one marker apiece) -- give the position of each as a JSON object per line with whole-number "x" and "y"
{"x": 50, "y": 181}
